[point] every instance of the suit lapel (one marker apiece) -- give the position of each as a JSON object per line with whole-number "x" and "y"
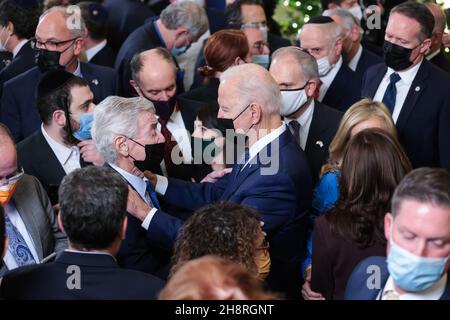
{"x": 27, "y": 213}
{"x": 316, "y": 128}
{"x": 50, "y": 164}
{"x": 373, "y": 82}
{"x": 418, "y": 86}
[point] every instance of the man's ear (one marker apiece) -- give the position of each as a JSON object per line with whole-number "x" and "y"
{"x": 181, "y": 31}
{"x": 355, "y": 34}
{"x": 256, "y": 111}
{"x": 426, "y": 44}
{"x": 388, "y": 219}
{"x": 311, "y": 87}
{"x": 238, "y": 61}
{"x": 121, "y": 146}
{"x": 60, "y": 224}
{"x": 123, "y": 231}
{"x": 136, "y": 88}
{"x": 78, "y": 46}
{"x": 338, "y": 46}
{"x": 59, "y": 117}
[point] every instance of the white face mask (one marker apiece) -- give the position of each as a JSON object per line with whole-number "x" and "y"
{"x": 324, "y": 66}
{"x": 356, "y": 12}
{"x": 3, "y": 46}
{"x": 293, "y": 100}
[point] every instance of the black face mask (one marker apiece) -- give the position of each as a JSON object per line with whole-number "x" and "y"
{"x": 154, "y": 154}
{"x": 164, "y": 109}
{"x": 397, "y": 57}
{"x": 48, "y": 60}
{"x": 228, "y": 123}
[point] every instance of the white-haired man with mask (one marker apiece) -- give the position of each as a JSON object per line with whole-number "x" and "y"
{"x": 358, "y": 58}
{"x": 125, "y": 133}
{"x": 322, "y": 38}
{"x": 272, "y": 176}
{"x": 312, "y": 123}
{"x": 418, "y": 250}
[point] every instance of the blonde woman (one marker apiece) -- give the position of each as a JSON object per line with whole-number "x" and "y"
{"x": 362, "y": 115}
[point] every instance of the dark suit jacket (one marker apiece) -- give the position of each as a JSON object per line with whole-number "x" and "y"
{"x": 357, "y": 283}
{"x": 366, "y": 60}
{"x": 441, "y": 61}
{"x": 343, "y": 91}
{"x": 18, "y": 107}
{"x": 144, "y": 251}
{"x": 105, "y": 57}
{"x": 282, "y": 196}
{"x": 24, "y": 60}
{"x": 276, "y": 42}
{"x": 324, "y": 125}
{"x": 38, "y": 159}
{"x": 334, "y": 258}
{"x": 125, "y": 16}
{"x": 100, "y": 278}
{"x": 35, "y": 209}
{"x": 5, "y": 59}
{"x": 206, "y": 93}
{"x": 424, "y": 122}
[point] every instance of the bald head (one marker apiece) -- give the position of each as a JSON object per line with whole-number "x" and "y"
{"x": 62, "y": 21}
{"x": 8, "y": 153}
{"x": 154, "y": 74}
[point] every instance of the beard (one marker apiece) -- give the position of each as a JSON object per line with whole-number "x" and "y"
{"x": 68, "y": 137}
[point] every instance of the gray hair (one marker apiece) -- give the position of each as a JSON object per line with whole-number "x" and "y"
{"x": 117, "y": 116}
{"x": 254, "y": 84}
{"x": 74, "y": 21}
{"x": 306, "y": 62}
{"x": 345, "y": 15}
{"x": 185, "y": 14}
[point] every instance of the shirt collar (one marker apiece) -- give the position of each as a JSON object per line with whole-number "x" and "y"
{"x": 328, "y": 79}
{"x": 90, "y": 53}
{"x": 77, "y": 71}
{"x": 61, "y": 152}
{"x": 159, "y": 32}
{"x": 354, "y": 62}
{"x": 18, "y": 47}
{"x": 264, "y": 141}
{"x": 407, "y": 76}
{"x": 136, "y": 182}
{"x": 434, "y": 292}
{"x": 92, "y": 252}
{"x": 305, "y": 117}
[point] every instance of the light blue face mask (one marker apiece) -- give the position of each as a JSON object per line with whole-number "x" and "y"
{"x": 261, "y": 59}
{"x": 84, "y": 133}
{"x": 413, "y": 273}
{"x": 179, "y": 51}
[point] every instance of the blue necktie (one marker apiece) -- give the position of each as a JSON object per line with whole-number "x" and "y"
{"x": 17, "y": 245}
{"x": 294, "y": 126}
{"x": 152, "y": 197}
{"x": 391, "y": 92}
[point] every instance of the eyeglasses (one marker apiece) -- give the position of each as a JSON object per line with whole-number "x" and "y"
{"x": 11, "y": 180}
{"x": 49, "y": 45}
{"x": 259, "y": 45}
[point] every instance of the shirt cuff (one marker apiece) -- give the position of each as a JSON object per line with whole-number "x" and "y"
{"x": 161, "y": 184}
{"x": 146, "y": 223}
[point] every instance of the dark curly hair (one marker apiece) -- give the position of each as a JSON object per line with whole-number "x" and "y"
{"x": 224, "y": 229}
{"x": 24, "y": 18}
{"x": 374, "y": 163}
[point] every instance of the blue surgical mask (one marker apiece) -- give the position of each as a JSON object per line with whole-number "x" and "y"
{"x": 261, "y": 59}
{"x": 413, "y": 273}
{"x": 179, "y": 51}
{"x": 84, "y": 133}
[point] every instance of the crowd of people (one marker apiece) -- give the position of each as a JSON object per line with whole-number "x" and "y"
{"x": 187, "y": 150}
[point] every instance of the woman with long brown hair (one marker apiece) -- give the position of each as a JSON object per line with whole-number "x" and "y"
{"x": 373, "y": 164}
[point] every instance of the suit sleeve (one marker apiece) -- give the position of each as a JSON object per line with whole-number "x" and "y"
{"x": 10, "y": 113}
{"x": 322, "y": 279}
{"x": 163, "y": 230}
{"x": 444, "y": 135}
{"x": 59, "y": 237}
{"x": 192, "y": 196}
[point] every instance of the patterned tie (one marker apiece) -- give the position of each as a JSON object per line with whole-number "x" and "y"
{"x": 391, "y": 295}
{"x": 17, "y": 245}
{"x": 150, "y": 195}
{"x": 391, "y": 92}
{"x": 294, "y": 126}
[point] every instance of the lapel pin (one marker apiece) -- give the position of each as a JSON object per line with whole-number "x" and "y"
{"x": 417, "y": 89}
{"x": 319, "y": 143}
{"x": 95, "y": 81}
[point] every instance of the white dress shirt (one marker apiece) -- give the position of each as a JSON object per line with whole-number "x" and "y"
{"x": 328, "y": 79}
{"x": 16, "y": 220}
{"x": 162, "y": 182}
{"x": 433, "y": 54}
{"x": 69, "y": 158}
{"x": 90, "y": 53}
{"x": 432, "y": 293}
{"x": 139, "y": 184}
{"x": 305, "y": 122}
{"x": 18, "y": 47}
{"x": 403, "y": 85}
{"x": 177, "y": 128}
{"x": 352, "y": 64}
